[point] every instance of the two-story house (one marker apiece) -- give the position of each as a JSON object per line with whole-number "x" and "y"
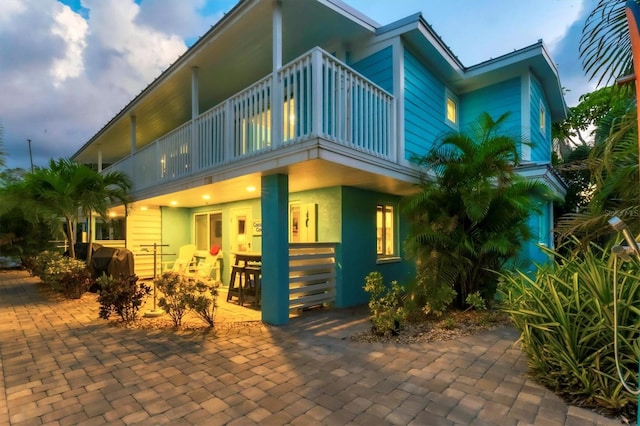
{"x": 287, "y": 130}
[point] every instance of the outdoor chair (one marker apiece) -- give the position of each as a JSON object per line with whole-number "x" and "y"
{"x": 184, "y": 264}
{"x": 209, "y": 267}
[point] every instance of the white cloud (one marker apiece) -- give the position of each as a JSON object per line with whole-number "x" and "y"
{"x": 10, "y": 8}
{"x": 72, "y": 28}
{"x": 140, "y": 48}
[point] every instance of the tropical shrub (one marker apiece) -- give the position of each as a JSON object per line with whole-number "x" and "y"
{"x": 63, "y": 274}
{"x": 177, "y": 291}
{"x": 475, "y": 301}
{"x": 69, "y": 276}
{"x": 385, "y": 304}
{"x": 203, "y": 300}
{"x": 122, "y": 296}
{"x": 565, "y": 318}
{"x": 471, "y": 214}
{"x": 37, "y": 264}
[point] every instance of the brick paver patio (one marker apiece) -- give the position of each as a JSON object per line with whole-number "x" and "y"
{"x": 62, "y": 365}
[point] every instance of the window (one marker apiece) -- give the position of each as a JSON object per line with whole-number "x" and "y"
{"x": 451, "y": 109}
{"x": 543, "y": 118}
{"x": 208, "y": 230}
{"x": 112, "y": 229}
{"x": 385, "y": 224}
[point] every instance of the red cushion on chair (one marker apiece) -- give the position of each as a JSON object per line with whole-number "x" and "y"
{"x": 214, "y": 250}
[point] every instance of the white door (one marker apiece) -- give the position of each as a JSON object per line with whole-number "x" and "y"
{"x": 241, "y": 230}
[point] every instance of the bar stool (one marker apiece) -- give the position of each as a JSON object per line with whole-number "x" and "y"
{"x": 252, "y": 286}
{"x": 237, "y": 272}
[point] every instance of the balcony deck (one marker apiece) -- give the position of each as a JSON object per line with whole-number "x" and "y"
{"x": 320, "y": 97}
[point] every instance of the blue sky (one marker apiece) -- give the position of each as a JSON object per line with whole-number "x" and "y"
{"x": 84, "y": 60}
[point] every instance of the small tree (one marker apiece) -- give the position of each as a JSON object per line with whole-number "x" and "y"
{"x": 204, "y": 300}
{"x": 177, "y": 293}
{"x": 470, "y": 218}
{"x": 122, "y": 296}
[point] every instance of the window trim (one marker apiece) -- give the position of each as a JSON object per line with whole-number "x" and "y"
{"x": 449, "y": 96}
{"x": 394, "y": 256}
{"x": 542, "y": 118}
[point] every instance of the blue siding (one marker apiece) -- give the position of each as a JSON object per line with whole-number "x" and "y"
{"x": 541, "y": 234}
{"x": 541, "y": 149}
{"x": 358, "y": 249}
{"x": 378, "y": 68}
{"x": 496, "y": 100}
{"x": 424, "y": 107}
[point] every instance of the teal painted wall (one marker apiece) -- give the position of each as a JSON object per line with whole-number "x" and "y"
{"x": 540, "y": 225}
{"x": 328, "y": 217}
{"x": 496, "y": 100}
{"x": 176, "y": 230}
{"x": 359, "y": 257}
{"x": 541, "y": 139}
{"x": 378, "y": 68}
{"x": 424, "y": 107}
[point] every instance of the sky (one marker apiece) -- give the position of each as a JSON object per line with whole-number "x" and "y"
{"x": 68, "y": 66}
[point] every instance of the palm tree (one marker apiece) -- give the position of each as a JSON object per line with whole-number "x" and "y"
{"x": 67, "y": 189}
{"x": 471, "y": 217}
{"x": 605, "y": 46}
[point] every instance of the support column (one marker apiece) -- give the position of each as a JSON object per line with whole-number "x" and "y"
{"x": 275, "y": 249}
{"x": 99, "y": 160}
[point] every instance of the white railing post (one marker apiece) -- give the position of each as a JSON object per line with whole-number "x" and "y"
{"x": 316, "y": 96}
{"x": 227, "y": 153}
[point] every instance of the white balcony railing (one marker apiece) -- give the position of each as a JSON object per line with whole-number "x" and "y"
{"x": 319, "y": 97}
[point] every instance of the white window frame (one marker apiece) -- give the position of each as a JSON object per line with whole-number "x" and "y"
{"x": 450, "y": 97}
{"x": 542, "y": 118}
{"x": 381, "y": 256}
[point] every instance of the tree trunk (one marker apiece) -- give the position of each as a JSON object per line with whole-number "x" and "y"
{"x": 71, "y": 236}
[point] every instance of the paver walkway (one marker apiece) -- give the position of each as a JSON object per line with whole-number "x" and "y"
{"x": 61, "y": 365}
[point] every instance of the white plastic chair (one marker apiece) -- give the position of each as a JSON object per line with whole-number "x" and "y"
{"x": 209, "y": 267}
{"x": 184, "y": 263}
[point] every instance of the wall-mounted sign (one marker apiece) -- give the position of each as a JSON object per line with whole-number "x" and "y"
{"x": 257, "y": 227}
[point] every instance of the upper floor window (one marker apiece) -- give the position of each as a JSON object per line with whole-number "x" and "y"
{"x": 385, "y": 231}
{"x": 543, "y": 118}
{"x": 451, "y": 109}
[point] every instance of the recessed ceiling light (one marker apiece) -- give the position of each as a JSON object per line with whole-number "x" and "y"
{"x": 206, "y": 197}
{"x": 143, "y": 208}
{"x": 251, "y": 188}
{"x": 112, "y": 214}
{"x": 174, "y": 203}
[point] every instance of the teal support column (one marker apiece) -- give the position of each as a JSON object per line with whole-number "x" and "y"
{"x": 275, "y": 249}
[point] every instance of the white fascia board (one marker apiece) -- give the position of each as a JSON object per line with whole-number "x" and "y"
{"x": 544, "y": 173}
{"x": 351, "y": 13}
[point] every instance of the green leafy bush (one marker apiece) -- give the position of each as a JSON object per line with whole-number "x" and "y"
{"x": 565, "y": 318}
{"x": 177, "y": 291}
{"x": 475, "y": 301}
{"x": 385, "y": 304}
{"x": 204, "y": 300}
{"x": 433, "y": 294}
{"x": 63, "y": 274}
{"x": 37, "y": 265}
{"x": 123, "y": 296}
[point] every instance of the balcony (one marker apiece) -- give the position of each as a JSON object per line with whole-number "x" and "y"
{"x": 318, "y": 97}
